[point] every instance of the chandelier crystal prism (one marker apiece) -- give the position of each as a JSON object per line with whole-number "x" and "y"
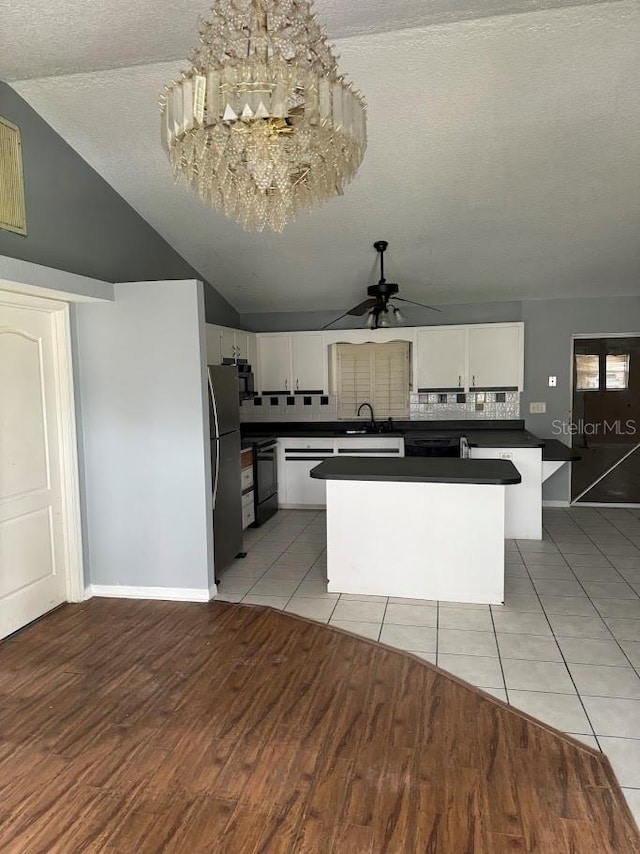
{"x": 262, "y": 125}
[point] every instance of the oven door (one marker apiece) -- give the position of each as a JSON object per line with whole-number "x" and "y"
{"x": 266, "y": 470}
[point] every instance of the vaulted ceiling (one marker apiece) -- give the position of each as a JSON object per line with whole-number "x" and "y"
{"x": 503, "y": 158}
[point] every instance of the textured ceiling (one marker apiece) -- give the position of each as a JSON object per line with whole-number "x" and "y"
{"x": 41, "y": 38}
{"x": 503, "y": 163}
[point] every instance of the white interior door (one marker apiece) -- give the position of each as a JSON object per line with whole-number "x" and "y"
{"x": 32, "y": 533}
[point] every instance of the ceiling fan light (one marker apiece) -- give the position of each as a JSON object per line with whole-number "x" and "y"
{"x": 384, "y": 319}
{"x": 398, "y": 316}
{"x": 371, "y": 320}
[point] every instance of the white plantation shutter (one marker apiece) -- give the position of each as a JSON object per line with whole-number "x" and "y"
{"x": 378, "y": 374}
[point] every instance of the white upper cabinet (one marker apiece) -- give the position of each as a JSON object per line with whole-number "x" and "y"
{"x": 445, "y": 358}
{"x": 496, "y": 357}
{"x": 228, "y": 343}
{"x": 214, "y": 353}
{"x": 308, "y": 363}
{"x": 440, "y": 359}
{"x": 274, "y": 359}
{"x": 292, "y": 363}
{"x": 223, "y": 342}
{"x": 242, "y": 345}
{"x": 252, "y": 351}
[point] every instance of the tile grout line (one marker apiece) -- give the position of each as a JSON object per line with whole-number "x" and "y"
{"x": 290, "y": 543}
{"x": 495, "y": 637}
{"x": 613, "y": 637}
{"x": 566, "y": 665}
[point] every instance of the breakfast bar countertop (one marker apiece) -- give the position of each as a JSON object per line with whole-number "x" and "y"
{"x": 418, "y": 470}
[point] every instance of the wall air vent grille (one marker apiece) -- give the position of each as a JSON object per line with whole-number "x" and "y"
{"x": 12, "y": 207}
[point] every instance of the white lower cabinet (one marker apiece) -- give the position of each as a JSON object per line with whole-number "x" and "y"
{"x": 248, "y": 510}
{"x": 297, "y": 457}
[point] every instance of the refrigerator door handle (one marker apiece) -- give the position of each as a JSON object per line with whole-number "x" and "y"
{"x": 217, "y": 475}
{"x": 214, "y": 407}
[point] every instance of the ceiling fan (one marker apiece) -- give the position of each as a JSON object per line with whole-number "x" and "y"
{"x": 380, "y": 311}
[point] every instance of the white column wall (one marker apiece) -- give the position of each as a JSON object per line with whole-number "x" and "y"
{"x": 145, "y": 441}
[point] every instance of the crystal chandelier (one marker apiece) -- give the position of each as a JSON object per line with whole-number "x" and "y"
{"x": 262, "y": 125}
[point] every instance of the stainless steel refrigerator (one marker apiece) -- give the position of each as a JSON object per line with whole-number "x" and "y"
{"x": 224, "y": 419}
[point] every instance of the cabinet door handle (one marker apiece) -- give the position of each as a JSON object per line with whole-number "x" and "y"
{"x": 473, "y": 380}
{"x": 459, "y": 380}
{"x": 286, "y": 385}
{"x": 297, "y": 384}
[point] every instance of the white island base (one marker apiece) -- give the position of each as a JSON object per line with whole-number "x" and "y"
{"x": 416, "y": 540}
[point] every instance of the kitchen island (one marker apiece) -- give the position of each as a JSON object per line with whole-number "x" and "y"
{"x": 417, "y": 527}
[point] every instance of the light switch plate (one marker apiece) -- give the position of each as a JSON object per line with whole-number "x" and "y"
{"x": 537, "y": 408}
{"x": 553, "y": 382}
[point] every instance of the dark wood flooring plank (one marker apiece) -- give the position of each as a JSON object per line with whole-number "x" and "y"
{"x": 158, "y": 726}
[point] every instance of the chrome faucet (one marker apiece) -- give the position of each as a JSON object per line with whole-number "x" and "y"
{"x": 373, "y": 420}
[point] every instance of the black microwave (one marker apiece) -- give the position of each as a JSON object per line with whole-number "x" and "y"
{"x": 246, "y": 383}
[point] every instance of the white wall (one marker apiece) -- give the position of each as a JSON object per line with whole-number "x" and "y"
{"x": 145, "y": 439}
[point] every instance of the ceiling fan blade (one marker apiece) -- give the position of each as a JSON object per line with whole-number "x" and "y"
{"x": 421, "y": 304}
{"x": 335, "y": 320}
{"x": 359, "y": 310}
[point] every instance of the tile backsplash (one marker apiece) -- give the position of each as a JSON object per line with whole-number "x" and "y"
{"x": 477, "y": 406}
{"x": 474, "y": 405}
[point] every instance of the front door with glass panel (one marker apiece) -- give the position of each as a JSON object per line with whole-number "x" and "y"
{"x": 606, "y": 420}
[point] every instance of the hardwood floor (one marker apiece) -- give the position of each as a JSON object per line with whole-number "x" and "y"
{"x": 130, "y": 726}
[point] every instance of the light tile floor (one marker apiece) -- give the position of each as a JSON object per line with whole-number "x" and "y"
{"x": 565, "y": 646}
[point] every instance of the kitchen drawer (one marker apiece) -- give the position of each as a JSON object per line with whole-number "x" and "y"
{"x": 373, "y": 446}
{"x": 246, "y": 458}
{"x": 246, "y": 478}
{"x": 248, "y": 515}
{"x": 247, "y": 499}
{"x": 314, "y": 445}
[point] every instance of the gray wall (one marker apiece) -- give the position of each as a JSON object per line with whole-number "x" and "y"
{"x": 305, "y": 321}
{"x": 144, "y": 436}
{"x": 77, "y": 222}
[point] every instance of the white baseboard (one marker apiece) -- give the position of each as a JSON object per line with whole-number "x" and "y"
{"x": 170, "y": 594}
{"x": 546, "y": 503}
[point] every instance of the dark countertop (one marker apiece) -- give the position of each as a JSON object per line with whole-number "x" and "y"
{"x": 489, "y": 434}
{"x": 301, "y": 429}
{"x": 418, "y": 470}
{"x": 556, "y": 451}
{"x": 502, "y": 439}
